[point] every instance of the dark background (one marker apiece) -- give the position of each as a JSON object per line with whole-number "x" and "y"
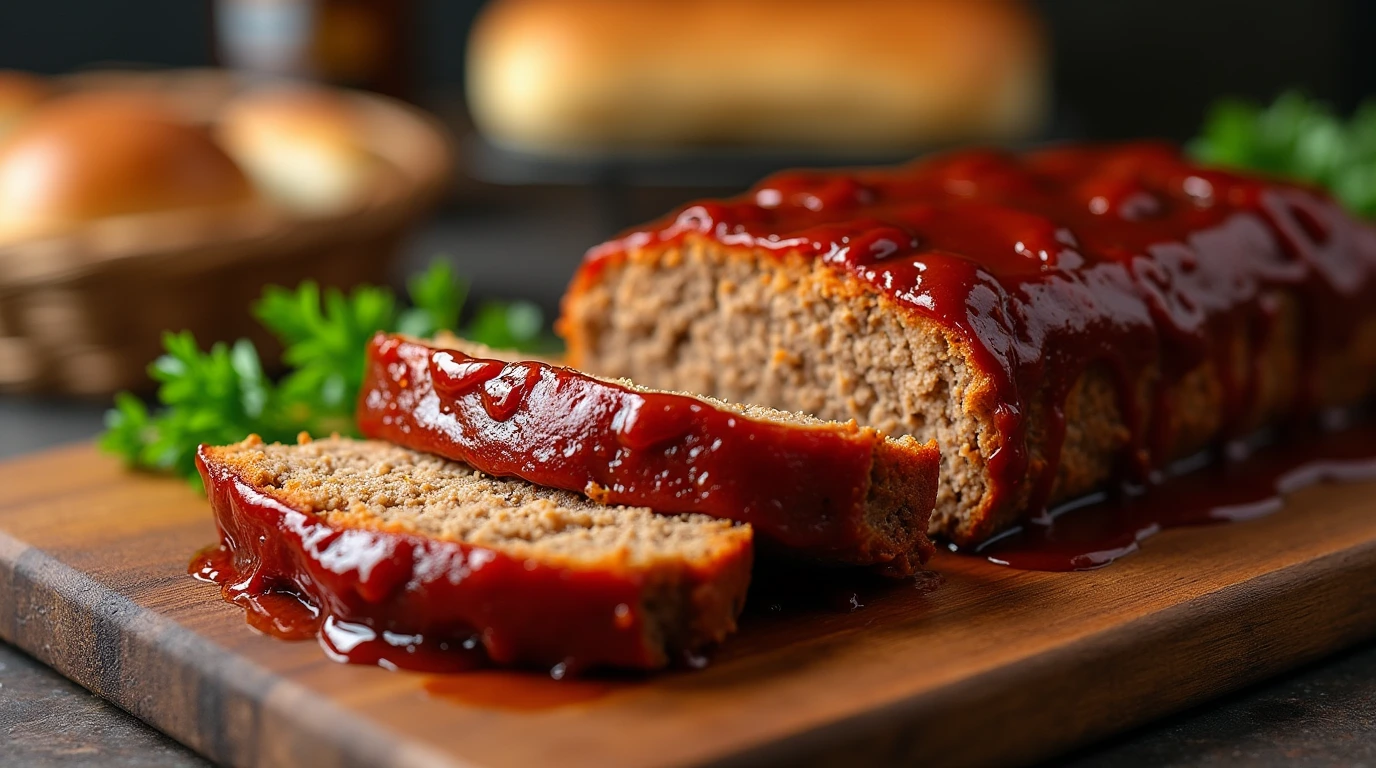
{"x": 1123, "y": 67}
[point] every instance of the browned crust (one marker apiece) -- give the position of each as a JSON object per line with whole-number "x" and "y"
{"x": 903, "y": 487}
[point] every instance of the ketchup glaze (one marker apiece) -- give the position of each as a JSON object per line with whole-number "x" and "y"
{"x": 282, "y": 612}
{"x": 805, "y": 488}
{"x": 1045, "y": 264}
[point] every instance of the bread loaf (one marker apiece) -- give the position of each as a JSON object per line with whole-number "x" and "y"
{"x": 20, "y": 93}
{"x": 88, "y": 156}
{"x": 304, "y": 148}
{"x": 859, "y": 75}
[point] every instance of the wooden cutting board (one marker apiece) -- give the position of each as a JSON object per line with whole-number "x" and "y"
{"x": 993, "y": 665}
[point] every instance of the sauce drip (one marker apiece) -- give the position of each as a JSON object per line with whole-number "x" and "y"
{"x": 457, "y": 377}
{"x": 1044, "y": 265}
{"x": 286, "y": 614}
{"x": 503, "y": 395}
{"x": 1095, "y": 531}
{"x": 464, "y": 671}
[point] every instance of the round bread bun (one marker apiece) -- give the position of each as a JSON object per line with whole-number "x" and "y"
{"x": 93, "y": 155}
{"x": 20, "y": 93}
{"x": 303, "y": 147}
{"x": 560, "y": 75}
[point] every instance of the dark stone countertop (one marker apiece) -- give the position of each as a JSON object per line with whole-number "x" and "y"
{"x": 1322, "y": 715}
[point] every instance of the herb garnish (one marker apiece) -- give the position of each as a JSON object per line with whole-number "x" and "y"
{"x": 1297, "y": 138}
{"x": 221, "y": 395}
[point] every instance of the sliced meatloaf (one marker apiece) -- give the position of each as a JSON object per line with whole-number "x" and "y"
{"x": 409, "y": 543}
{"x": 823, "y": 490}
{"x": 1055, "y": 320}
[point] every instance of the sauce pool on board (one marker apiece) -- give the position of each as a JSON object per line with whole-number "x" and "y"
{"x": 287, "y": 615}
{"x": 1252, "y": 482}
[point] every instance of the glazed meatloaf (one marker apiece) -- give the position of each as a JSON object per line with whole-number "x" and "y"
{"x": 1054, "y": 320}
{"x": 403, "y": 542}
{"x": 823, "y": 490}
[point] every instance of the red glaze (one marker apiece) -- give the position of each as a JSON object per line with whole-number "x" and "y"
{"x": 1095, "y": 532}
{"x": 802, "y": 487}
{"x": 404, "y": 601}
{"x": 1050, "y": 262}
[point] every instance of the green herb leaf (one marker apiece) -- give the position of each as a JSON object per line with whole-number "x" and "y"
{"x": 437, "y": 296}
{"x": 515, "y": 325}
{"x": 128, "y": 429}
{"x": 1298, "y": 138}
{"x": 222, "y": 395}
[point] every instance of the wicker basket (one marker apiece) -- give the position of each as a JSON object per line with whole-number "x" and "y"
{"x": 84, "y": 313}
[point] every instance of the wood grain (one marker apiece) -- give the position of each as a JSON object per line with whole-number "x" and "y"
{"x": 995, "y": 665}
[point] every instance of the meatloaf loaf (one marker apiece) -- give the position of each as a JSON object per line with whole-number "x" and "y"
{"x": 822, "y": 490}
{"x": 1054, "y": 320}
{"x": 406, "y": 543}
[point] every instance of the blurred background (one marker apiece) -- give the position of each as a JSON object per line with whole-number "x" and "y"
{"x": 561, "y": 162}
{"x": 1137, "y": 67}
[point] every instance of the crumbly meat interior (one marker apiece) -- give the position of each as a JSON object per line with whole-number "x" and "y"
{"x": 447, "y": 340}
{"x": 780, "y": 333}
{"x": 372, "y": 484}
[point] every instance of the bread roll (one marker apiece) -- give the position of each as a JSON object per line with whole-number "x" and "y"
{"x": 93, "y": 155}
{"x": 562, "y": 75}
{"x": 20, "y": 93}
{"x": 304, "y": 148}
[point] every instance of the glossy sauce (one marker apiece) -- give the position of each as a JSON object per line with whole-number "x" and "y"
{"x": 289, "y": 615}
{"x": 1251, "y": 482}
{"x": 277, "y": 612}
{"x": 802, "y": 487}
{"x": 1126, "y": 257}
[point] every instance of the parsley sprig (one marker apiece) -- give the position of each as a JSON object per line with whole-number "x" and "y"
{"x": 222, "y": 394}
{"x": 1299, "y": 138}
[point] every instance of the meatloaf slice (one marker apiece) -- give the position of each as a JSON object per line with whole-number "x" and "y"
{"x": 1055, "y": 320}
{"x": 823, "y": 490}
{"x": 410, "y": 543}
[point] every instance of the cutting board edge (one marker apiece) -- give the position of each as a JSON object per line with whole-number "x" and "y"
{"x": 85, "y": 632}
